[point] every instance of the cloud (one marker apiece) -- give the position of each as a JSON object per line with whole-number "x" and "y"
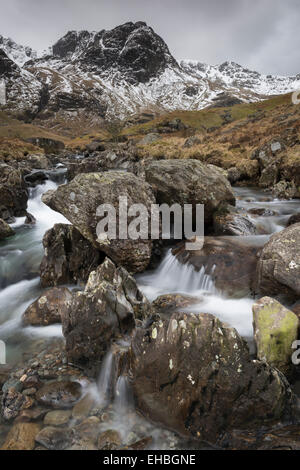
{"x": 260, "y": 34}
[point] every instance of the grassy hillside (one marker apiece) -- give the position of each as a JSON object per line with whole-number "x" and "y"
{"x": 227, "y": 135}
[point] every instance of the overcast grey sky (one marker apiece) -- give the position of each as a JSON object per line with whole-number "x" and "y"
{"x": 260, "y": 34}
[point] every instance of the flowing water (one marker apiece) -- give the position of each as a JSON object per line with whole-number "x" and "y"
{"x": 21, "y": 255}
{"x": 174, "y": 277}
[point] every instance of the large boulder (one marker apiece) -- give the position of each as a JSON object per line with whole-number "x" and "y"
{"x": 78, "y": 202}
{"x": 69, "y": 257}
{"x": 113, "y": 159}
{"x": 49, "y": 145}
{"x": 278, "y": 269}
{"x": 13, "y": 193}
{"x": 194, "y": 374}
{"x": 189, "y": 182}
{"x": 275, "y": 330}
{"x": 285, "y": 190}
{"x": 104, "y": 312}
{"x": 48, "y": 308}
{"x": 5, "y": 230}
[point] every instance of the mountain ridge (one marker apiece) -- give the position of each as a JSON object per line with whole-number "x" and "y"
{"x": 122, "y": 72}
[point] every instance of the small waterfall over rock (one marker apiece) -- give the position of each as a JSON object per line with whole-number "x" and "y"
{"x": 105, "y": 381}
{"x": 123, "y": 396}
{"x": 173, "y": 276}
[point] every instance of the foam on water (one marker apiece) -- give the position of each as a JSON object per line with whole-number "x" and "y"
{"x": 172, "y": 276}
{"x": 20, "y": 257}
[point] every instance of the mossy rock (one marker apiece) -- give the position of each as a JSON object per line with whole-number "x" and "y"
{"x": 275, "y": 330}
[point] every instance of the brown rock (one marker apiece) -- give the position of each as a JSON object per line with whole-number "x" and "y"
{"x": 85, "y": 193}
{"x": 194, "y": 375}
{"x": 60, "y": 394}
{"x": 103, "y": 312}
{"x": 13, "y": 193}
{"x": 109, "y": 440}
{"x": 54, "y": 438}
{"x": 69, "y": 257}
{"x": 48, "y": 308}
{"x": 189, "y": 182}
{"x": 231, "y": 264}
{"x": 5, "y": 230}
{"x": 278, "y": 268}
{"x": 13, "y": 403}
{"x": 21, "y": 437}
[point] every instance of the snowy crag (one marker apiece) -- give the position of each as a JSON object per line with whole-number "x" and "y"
{"x": 122, "y": 72}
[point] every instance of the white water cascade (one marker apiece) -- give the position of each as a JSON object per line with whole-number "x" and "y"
{"x": 173, "y": 276}
{"x": 20, "y": 257}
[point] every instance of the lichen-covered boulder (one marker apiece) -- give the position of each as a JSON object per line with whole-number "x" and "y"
{"x": 79, "y": 200}
{"x": 284, "y": 190}
{"x": 275, "y": 330}
{"x": 5, "y": 230}
{"x": 48, "y": 308}
{"x": 104, "y": 312}
{"x": 194, "y": 374}
{"x": 69, "y": 257}
{"x": 278, "y": 269}
{"x": 189, "y": 182}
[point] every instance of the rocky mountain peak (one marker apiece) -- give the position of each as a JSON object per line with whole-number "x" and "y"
{"x": 7, "y": 66}
{"x": 133, "y": 50}
{"x": 19, "y": 54}
{"x": 70, "y": 43}
{"x": 120, "y": 72}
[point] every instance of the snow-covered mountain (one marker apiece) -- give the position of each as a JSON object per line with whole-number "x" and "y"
{"x": 121, "y": 72}
{"x": 19, "y": 54}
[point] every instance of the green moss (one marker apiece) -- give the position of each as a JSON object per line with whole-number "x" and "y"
{"x": 276, "y": 328}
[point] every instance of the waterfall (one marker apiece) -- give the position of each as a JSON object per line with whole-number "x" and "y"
{"x": 173, "y": 276}
{"x": 123, "y": 396}
{"x": 105, "y": 381}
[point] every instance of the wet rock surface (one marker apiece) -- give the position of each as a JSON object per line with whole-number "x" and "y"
{"x": 231, "y": 264}
{"x": 48, "y": 308}
{"x": 282, "y": 438}
{"x": 69, "y": 257}
{"x": 278, "y": 269}
{"x": 5, "y": 230}
{"x": 21, "y": 437}
{"x": 105, "y": 311}
{"x": 13, "y": 193}
{"x": 229, "y": 221}
{"x": 60, "y": 394}
{"x": 201, "y": 380}
{"x": 169, "y": 303}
